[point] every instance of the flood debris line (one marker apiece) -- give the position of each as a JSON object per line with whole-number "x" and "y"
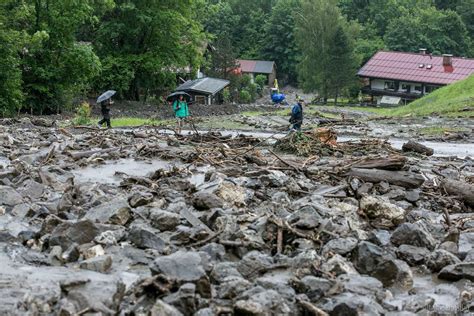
{"x": 220, "y": 225}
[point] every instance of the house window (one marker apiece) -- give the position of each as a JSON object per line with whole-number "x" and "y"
{"x": 418, "y": 89}
{"x": 430, "y": 88}
{"x": 200, "y": 99}
{"x": 406, "y": 87}
{"x": 389, "y": 85}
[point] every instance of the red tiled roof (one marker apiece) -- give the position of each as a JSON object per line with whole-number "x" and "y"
{"x": 247, "y": 65}
{"x": 256, "y": 66}
{"x": 406, "y": 67}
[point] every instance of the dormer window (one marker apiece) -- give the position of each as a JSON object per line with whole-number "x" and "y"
{"x": 429, "y": 66}
{"x": 421, "y": 65}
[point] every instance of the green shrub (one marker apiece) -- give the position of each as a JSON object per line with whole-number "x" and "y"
{"x": 261, "y": 81}
{"x": 245, "y": 96}
{"x": 253, "y": 89}
{"x": 226, "y": 96}
{"x": 83, "y": 114}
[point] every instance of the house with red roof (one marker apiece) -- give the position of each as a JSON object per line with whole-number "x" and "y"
{"x": 391, "y": 77}
{"x": 257, "y": 67}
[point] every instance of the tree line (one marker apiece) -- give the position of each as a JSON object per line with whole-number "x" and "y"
{"x": 53, "y": 52}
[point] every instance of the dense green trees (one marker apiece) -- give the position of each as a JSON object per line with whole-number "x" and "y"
{"x": 54, "y": 52}
{"x": 328, "y": 64}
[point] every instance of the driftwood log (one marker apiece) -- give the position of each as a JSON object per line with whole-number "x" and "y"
{"x": 401, "y": 178}
{"x": 387, "y": 163}
{"x": 86, "y": 154}
{"x": 464, "y": 191}
{"x": 417, "y": 147}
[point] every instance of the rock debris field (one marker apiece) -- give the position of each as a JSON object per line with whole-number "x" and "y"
{"x": 131, "y": 222}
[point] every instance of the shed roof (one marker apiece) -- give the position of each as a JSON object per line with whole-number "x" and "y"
{"x": 256, "y": 66}
{"x": 406, "y": 67}
{"x": 204, "y": 85}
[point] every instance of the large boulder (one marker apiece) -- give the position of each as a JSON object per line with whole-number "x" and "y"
{"x": 68, "y": 233}
{"x": 412, "y": 255}
{"x": 458, "y": 271}
{"x": 315, "y": 288}
{"x": 115, "y": 212}
{"x": 375, "y": 261}
{"x": 439, "y": 259}
{"x": 254, "y": 262}
{"x": 412, "y": 234}
{"x": 381, "y": 213}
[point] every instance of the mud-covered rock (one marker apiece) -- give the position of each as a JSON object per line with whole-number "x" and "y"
{"x": 412, "y": 255}
{"x": 455, "y": 272}
{"x": 164, "y": 220}
{"x": 9, "y": 197}
{"x": 440, "y": 258}
{"x": 100, "y": 264}
{"x": 413, "y": 234}
{"x": 206, "y": 201}
{"x": 144, "y": 237}
{"x": 381, "y": 213}
{"x": 67, "y": 233}
{"x": 115, "y": 212}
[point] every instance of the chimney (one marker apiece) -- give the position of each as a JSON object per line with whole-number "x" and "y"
{"x": 447, "y": 60}
{"x": 422, "y": 51}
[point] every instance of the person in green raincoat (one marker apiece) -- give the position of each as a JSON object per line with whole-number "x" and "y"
{"x": 181, "y": 112}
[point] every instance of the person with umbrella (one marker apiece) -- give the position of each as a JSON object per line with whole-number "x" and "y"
{"x": 181, "y": 110}
{"x": 105, "y": 101}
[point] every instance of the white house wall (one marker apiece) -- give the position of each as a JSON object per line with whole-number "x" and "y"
{"x": 378, "y": 84}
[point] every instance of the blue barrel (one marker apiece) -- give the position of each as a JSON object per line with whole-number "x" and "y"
{"x": 278, "y": 97}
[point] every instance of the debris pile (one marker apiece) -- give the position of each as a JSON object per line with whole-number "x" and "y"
{"x": 228, "y": 226}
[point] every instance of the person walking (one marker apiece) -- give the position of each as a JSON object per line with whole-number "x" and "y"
{"x": 296, "y": 117}
{"x": 181, "y": 112}
{"x": 105, "y": 110}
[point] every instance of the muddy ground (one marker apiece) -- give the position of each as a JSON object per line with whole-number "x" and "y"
{"x": 142, "y": 221}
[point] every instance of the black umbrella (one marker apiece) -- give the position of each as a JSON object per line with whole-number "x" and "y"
{"x": 175, "y": 95}
{"x": 106, "y": 95}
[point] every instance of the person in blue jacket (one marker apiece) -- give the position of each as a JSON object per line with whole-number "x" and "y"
{"x": 296, "y": 117}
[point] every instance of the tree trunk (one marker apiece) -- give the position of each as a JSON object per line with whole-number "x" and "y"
{"x": 417, "y": 147}
{"x": 463, "y": 190}
{"x": 401, "y": 178}
{"x": 388, "y": 163}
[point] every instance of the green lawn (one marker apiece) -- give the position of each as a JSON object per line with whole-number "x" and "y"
{"x": 440, "y": 130}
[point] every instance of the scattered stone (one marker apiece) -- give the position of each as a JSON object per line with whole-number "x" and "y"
{"x": 381, "y": 213}
{"x": 164, "y": 220}
{"x": 412, "y": 255}
{"x": 93, "y": 252}
{"x": 340, "y": 246}
{"x": 139, "y": 199}
{"x": 144, "y": 237}
{"x": 68, "y": 233}
{"x": 9, "y": 197}
{"x": 100, "y": 264}
{"x": 206, "y": 201}
{"x": 412, "y": 196}
{"x": 116, "y": 212}
{"x": 455, "y": 272}
{"x": 413, "y": 234}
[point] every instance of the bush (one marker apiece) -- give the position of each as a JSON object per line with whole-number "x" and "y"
{"x": 245, "y": 96}
{"x": 83, "y": 114}
{"x": 261, "y": 81}
{"x": 253, "y": 89}
{"x": 226, "y": 96}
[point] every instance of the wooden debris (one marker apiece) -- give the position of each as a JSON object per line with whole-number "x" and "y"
{"x": 404, "y": 179}
{"x": 464, "y": 191}
{"x": 417, "y": 147}
{"x": 386, "y": 163}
